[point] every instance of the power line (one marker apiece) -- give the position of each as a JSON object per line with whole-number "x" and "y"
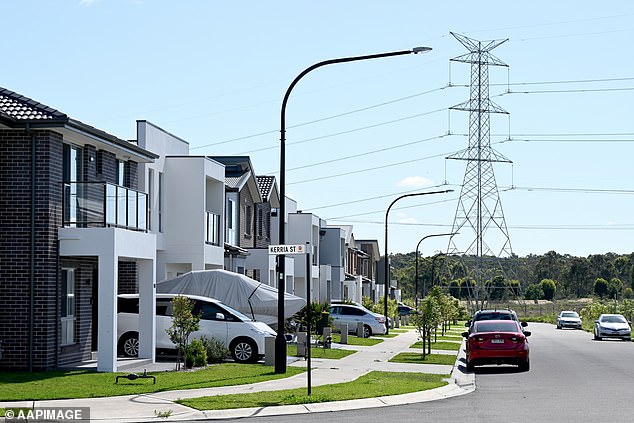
{"x": 349, "y": 131}
{"x": 321, "y": 178}
{"x": 385, "y": 103}
{"x": 363, "y": 109}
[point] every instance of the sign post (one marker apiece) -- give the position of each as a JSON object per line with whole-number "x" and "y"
{"x": 280, "y": 343}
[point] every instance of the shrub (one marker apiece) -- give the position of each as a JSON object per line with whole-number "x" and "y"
{"x": 196, "y": 354}
{"x": 216, "y": 350}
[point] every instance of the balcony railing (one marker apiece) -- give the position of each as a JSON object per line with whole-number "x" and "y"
{"x": 212, "y": 228}
{"x": 101, "y": 204}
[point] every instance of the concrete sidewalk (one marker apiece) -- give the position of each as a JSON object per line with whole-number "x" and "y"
{"x": 145, "y": 407}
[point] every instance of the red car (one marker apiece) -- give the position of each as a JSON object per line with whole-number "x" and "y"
{"x": 497, "y": 342}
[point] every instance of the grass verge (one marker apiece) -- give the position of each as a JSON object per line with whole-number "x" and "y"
{"x": 417, "y": 358}
{"x": 373, "y": 384}
{"x": 447, "y": 346}
{"x": 319, "y": 352}
{"x": 353, "y": 340}
{"x": 18, "y": 386}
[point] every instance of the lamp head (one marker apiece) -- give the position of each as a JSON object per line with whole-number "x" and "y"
{"x": 417, "y": 50}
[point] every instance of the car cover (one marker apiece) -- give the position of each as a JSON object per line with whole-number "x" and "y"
{"x": 250, "y": 297}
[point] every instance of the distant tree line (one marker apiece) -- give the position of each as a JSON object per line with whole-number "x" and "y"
{"x": 549, "y": 276}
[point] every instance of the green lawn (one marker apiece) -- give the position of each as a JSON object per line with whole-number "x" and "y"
{"x": 450, "y": 346}
{"x": 16, "y": 386}
{"x": 319, "y": 352}
{"x": 353, "y": 340}
{"x": 417, "y": 358}
{"x": 373, "y": 384}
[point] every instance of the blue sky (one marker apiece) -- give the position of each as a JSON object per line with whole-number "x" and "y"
{"x": 214, "y": 73}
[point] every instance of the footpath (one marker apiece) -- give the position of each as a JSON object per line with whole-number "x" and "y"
{"x": 145, "y": 407}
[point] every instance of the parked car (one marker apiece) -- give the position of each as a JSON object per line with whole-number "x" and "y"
{"x": 373, "y": 323}
{"x": 497, "y": 342}
{"x": 494, "y": 315}
{"x": 243, "y": 336}
{"x": 405, "y": 310}
{"x": 612, "y": 326}
{"x": 568, "y": 319}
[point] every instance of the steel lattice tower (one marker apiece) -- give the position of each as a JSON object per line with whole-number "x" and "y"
{"x": 479, "y": 211}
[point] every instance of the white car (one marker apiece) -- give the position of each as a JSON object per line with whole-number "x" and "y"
{"x": 612, "y": 326}
{"x": 241, "y": 335}
{"x": 373, "y": 323}
{"x": 568, "y": 319}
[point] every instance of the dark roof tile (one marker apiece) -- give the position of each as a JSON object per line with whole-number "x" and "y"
{"x": 19, "y": 107}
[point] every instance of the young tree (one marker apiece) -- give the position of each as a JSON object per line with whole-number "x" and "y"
{"x": 427, "y": 319}
{"x": 549, "y": 287}
{"x": 600, "y": 287}
{"x": 183, "y": 324}
{"x": 534, "y": 292}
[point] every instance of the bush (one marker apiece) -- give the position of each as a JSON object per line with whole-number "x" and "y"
{"x": 216, "y": 350}
{"x": 196, "y": 354}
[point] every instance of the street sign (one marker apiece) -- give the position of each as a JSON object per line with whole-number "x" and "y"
{"x": 287, "y": 249}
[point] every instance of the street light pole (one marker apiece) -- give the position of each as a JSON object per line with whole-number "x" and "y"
{"x": 387, "y": 263}
{"x": 433, "y": 269}
{"x": 280, "y": 341}
{"x": 416, "y": 273}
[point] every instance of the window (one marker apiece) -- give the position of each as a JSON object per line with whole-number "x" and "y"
{"x": 150, "y": 196}
{"x": 161, "y": 188}
{"x": 72, "y": 173}
{"x": 248, "y": 213}
{"x": 121, "y": 173}
{"x": 260, "y": 222}
{"x": 68, "y": 306}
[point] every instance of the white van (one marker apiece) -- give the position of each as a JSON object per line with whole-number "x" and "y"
{"x": 243, "y": 336}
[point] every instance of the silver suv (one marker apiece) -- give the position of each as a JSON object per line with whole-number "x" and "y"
{"x": 373, "y": 323}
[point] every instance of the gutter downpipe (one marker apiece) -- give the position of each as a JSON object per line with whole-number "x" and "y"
{"x": 32, "y": 250}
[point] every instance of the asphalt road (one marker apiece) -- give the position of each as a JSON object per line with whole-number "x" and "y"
{"x": 572, "y": 379}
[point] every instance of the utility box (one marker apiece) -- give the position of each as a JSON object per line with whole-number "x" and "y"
{"x": 360, "y": 331}
{"x": 327, "y": 337}
{"x": 269, "y": 351}
{"x": 344, "y": 334}
{"x": 301, "y": 344}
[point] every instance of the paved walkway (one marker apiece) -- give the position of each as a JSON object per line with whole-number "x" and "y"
{"x": 144, "y": 407}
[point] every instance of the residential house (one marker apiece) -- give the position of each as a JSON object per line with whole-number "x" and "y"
{"x": 186, "y": 204}
{"x": 259, "y": 262}
{"x": 369, "y": 258}
{"x": 333, "y": 254}
{"x": 305, "y": 229}
{"x": 75, "y": 232}
{"x": 242, "y": 194}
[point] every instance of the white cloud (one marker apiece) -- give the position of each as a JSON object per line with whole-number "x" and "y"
{"x": 415, "y": 182}
{"x": 402, "y": 217}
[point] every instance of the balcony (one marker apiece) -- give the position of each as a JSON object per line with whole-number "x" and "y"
{"x": 212, "y": 228}
{"x": 102, "y": 204}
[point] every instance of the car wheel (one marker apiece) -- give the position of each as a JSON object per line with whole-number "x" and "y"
{"x": 597, "y": 337}
{"x": 525, "y": 366}
{"x": 367, "y": 332}
{"x": 558, "y": 327}
{"x": 129, "y": 344}
{"x": 244, "y": 350}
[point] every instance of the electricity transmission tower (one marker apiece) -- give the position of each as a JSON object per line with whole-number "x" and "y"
{"x": 479, "y": 210}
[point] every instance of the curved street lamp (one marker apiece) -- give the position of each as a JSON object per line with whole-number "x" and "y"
{"x": 280, "y": 340}
{"x": 387, "y": 264}
{"x": 416, "y": 273}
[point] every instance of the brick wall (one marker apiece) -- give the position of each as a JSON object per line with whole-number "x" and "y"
{"x": 15, "y": 252}
{"x": 15, "y": 248}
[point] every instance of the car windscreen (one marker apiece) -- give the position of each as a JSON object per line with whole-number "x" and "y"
{"x": 569, "y": 315}
{"x": 495, "y": 316}
{"x": 485, "y": 326}
{"x": 613, "y": 319}
{"x": 237, "y": 313}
